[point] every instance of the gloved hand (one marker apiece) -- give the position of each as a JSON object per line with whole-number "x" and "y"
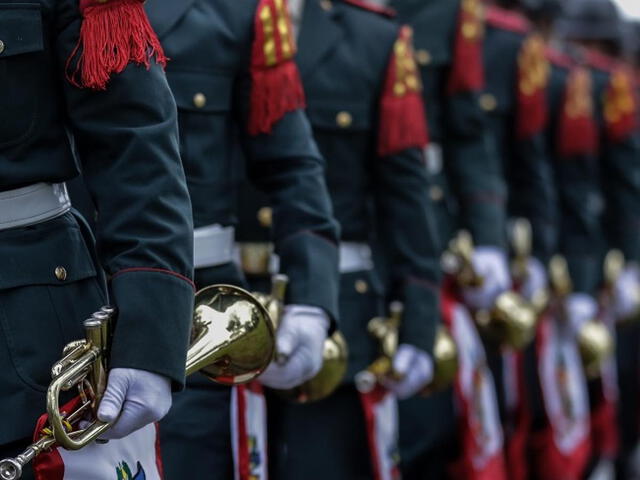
{"x": 536, "y": 279}
{"x": 491, "y": 264}
{"x": 580, "y": 308}
{"x": 626, "y": 294}
{"x": 415, "y": 366}
{"x": 300, "y": 339}
{"x": 133, "y": 399}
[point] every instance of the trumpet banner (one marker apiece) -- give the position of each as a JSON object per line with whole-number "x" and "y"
{"x": 561, "y": 449}
{"x": 135, "y": 457}
{"x": 249, "y": 432}
{"x": 480, "y": 431}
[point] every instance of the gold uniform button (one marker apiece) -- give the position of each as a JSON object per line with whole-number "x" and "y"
{"x": 361, "y": 286}
{"x": 265, "y": 217}
{"x": 344, "y": 119}
{"x": 488, "y": 102}
{"x": 2, "y": 46}
{"x": 436, "y": 193}
{"x": 199, "y": 100}
{"x": 423, "y": 57}
{"x": 326, "y": 5}
{"x": 61, "y": 273}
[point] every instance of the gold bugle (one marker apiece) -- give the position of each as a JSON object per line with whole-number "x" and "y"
{"x": 328, "y": 379}
{"x": 446, "y": 362}
{"x": 595, "y": 345}
{"x": 511, "y": 322}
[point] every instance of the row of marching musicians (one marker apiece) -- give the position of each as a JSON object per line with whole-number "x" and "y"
{"x": 435, "y": 204}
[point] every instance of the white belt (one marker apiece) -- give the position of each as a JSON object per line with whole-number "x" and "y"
{"x": 36, "y": 203}
{"x": 433, "y": 158}
{"x": 213, "y": 246}
{"x": 355, "y": 257}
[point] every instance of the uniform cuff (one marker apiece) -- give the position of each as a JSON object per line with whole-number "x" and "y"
{"x": 155, "y": 309}
{"x": 311, "y": 263}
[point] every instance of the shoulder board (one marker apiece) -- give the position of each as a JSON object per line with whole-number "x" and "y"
{"x": 276, "y": 87}
{"x": 577, "y": 130}
{"x": 533, "y": 78}
{"x": 600, "y": 61}
{"x": 507, "y": 20}
{"x": 620, "y": 105}
{"x": 467, "y": 73}
{"x": 114, "y": 34}
{"x": 403, "y": 122}
{"x": 559, "y": 59}
{"x": 370, "y": 7}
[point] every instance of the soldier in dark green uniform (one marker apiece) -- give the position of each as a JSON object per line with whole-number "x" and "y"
{"x": 365, "y": 107}
{"x": 596, "y": 27}
{"x": 118, "y": 120}
{"x": 466, "y": 186}
{"x": 238, "y": 91}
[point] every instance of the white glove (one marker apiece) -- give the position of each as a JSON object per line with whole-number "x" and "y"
{"x": 133, "y": 399}
{"x": 415, "y": 366}
{"x": 626, "y": 293}
{"x": 489, "y": 263}
{"x": 536, "y": 279}
{"x": 300, "y": 339}
{"x": 580, "y": 308}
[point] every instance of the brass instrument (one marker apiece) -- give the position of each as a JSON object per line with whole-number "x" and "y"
{"x": 595, "y": 343}
{"x": 522, "y": 247}
{"x": 325, "y": 382}
{"x": 511, "y": 321}
{"x": 445, "y": 354}
{"x": 232, "y": 342}
{"x": 386, "y": 332}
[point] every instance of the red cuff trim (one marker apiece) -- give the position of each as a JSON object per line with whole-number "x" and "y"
{"x": 154, "y": 270}
{"x": 429, "y": 285}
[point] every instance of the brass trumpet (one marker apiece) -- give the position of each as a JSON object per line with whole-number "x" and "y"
{"x": 386, "y": 332}
{"x": 324, "y": 383}
{"x": 445, "y": 359}
{"x": 511, "y": 321}
{"x": 232, "y": 342}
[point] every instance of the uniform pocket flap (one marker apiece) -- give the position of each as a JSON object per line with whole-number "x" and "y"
{"x": 341, "y": 116}
{"x": 20, "y": 29}
{"x": 201, "y": 91}
{"x": 51, "y": 253}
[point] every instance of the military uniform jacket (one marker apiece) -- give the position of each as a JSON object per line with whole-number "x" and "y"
{"x": 619, "y": 152}
{"x": 377, "y": 184}
{"x": 125, "y": 137}
{"x": 517, "y": 78}
{"x": 468, "y": 187}
{"x": 212, "y": 45}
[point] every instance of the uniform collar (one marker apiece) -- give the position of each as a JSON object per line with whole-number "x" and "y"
{"x": 318, "y": 35}
{"x": 164, "y": 14}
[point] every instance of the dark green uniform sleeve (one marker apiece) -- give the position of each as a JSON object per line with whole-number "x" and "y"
{"x": 126, "y": 139}
{"x": 407, "y": 231}
{"x": 287, "y": 166}
{"x": 474, "y": 168}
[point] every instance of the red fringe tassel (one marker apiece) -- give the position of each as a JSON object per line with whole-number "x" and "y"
{"x": 402, "y": 124}
{"x": 113, "y": 35}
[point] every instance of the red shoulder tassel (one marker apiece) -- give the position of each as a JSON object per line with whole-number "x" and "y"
{"x": 577, "y": 130}
{"x": 467, "y": 73}
{"x": 402, "y": 116}
{"x": 276, "y": 84}
{"x": 114, "y": 33}
{"x": 533, "y": 77}
{"x": 620, "y": 106}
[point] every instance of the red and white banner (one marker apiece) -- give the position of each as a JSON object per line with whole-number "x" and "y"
{"x": 249, "y": 431}
{"x": 381, "y": 417}
{"x": 480, "y": 430}
{"x": 135, "y": 457}
{"x": 561, "y": 450}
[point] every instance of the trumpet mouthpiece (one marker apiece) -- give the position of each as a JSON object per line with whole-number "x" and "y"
{"x": 10, "y": 469}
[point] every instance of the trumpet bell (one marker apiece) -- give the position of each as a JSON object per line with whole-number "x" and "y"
{"x": 511, "y": 322}
{"x": 445, "y": 355}
{"x": 233, "y": 337}
{"x": 595, "y": 344}
{"x": 328, "y": 379}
